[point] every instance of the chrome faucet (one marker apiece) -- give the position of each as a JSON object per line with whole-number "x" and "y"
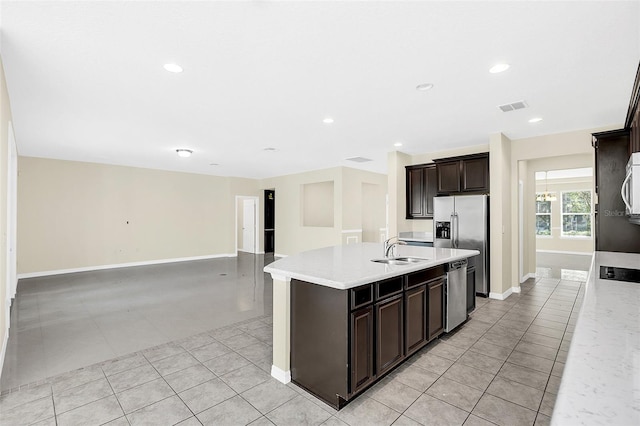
{"x": 388, "y": 247}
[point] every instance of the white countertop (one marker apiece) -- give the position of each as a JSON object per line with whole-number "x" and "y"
{"x": 416, "y": 236}
{"x": 601, "y": 380}
{"x": 348, "y": 266}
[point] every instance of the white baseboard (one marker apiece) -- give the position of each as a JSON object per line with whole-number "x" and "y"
{"x": 579, "y": 253}
{"x": 501, "y": 296}
{"x": 280, "y": 375}
{"x": 516, "y": 289}
{"x": 120, "y": 265}
{"x": 526, "y": 277}
{"x": 3, "y": 351}
{"x": 279, "y": 255}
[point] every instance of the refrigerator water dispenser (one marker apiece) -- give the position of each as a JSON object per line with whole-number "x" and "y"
{"x": 443, "y": 230}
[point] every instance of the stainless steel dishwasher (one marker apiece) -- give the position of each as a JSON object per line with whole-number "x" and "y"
{"x": 455, "y": 295}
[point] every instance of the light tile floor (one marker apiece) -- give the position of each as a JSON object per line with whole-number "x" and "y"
{"x": 501, "y": 367}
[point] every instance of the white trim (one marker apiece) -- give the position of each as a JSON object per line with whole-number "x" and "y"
{"x": 516, "y": 289}
{"x": 580, "y": 253}
{"x": 352, "y": 239}
{"x": 280, "y": 375}
{"x": 280, "y": 255}
{"x": 3, "y": 351}
{"x": 526, "y": 277}
{"x": 350, "y": 231}
{"x": 121, "y": 265}
{"x": 502, "y": 296}
{"x": 256, "y": 231}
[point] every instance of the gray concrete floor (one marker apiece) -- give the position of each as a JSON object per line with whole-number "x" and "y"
{"x": 64, "y": 322}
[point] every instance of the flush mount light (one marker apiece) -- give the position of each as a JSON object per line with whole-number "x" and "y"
{"x": 424, "y": 86}
{"x": 498, "y": 68}
{"x": 397, "y": 144}
{"x": 535, "y": 120}
{"x": 184, "y": 152}
{"x": 328, "y": 120}
{"x": 173, "y": 68}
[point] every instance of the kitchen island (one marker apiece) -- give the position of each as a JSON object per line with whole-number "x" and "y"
{"x": 601, "y": 379}
{"x": 341, "y": 321}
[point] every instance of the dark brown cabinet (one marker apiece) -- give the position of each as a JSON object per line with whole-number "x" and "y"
{"x": 416, "y": 314}
{"x": 362, "y": 348}
{"x": 435, "y": 291}
{"x": 465, "y": 174}
{"x": 342, "y": 341}
{"x": 613, "y": 231}
{"x": 389, "y": 333}
{"x": 421, "y": 188}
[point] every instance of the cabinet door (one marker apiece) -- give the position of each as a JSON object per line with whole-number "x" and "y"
{"x": 415, "y": 193}
{"x": 361, "y": 348}
{"x": 436, "y": 309}
{"x": 475, "y": 175}
{"x": 416, "y": 315}
{"x": 389, "y": 333}
{"x": 448, "y": 177}
{"x": 431, "y": 189}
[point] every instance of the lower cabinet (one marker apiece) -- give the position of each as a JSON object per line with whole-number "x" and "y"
{"x": 361, "y": 348}
{"x": 389, "y": 333}
{"x": 436, "y": 309}
{"x": 342, "y": 341}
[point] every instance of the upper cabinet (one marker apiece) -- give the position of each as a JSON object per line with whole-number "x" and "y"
{"x": 421, "y": 188}
{"x": 632, "y": 122}
{"x": 465, "y": 174}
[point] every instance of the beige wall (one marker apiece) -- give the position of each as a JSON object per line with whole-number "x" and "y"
{"x": 5, "y": 120}
{"x": 81, "y": 215}
{"x": 292, "y": 236}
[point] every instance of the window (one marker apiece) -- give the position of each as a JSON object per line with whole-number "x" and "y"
{"x": 576, "y": 214}
{"x": 543, "y": 218}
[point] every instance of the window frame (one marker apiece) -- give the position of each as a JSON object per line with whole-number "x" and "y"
{"x": 550, "y": 235}
{"x": 563, "y": 214}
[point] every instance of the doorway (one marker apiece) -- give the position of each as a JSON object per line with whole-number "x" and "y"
{"x": 269, "y": 220}
{"x": 246, "y": 224}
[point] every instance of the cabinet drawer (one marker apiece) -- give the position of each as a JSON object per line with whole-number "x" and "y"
{"x": 361, "y": 296}
{"x": 389, "y": 287}
{"x": 421, "y": 277}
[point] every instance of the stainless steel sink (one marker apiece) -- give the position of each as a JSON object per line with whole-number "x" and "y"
{"x": 399, "y": 260}
{"x": 410, "y": 259}
{"x": 390, "y": 261}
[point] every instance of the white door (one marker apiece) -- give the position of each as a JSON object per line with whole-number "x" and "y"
{"x": 249, "y": 225}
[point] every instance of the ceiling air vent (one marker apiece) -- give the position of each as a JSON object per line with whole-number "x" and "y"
{"x": 359, "y": 159}
{"x": 513, "y": 106}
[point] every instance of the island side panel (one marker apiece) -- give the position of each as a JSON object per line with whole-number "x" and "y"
{"x": 281, "y": 368}
{"x": 319, "y": 340}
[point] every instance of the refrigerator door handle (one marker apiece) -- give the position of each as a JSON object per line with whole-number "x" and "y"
{"x": 457, "y": 225}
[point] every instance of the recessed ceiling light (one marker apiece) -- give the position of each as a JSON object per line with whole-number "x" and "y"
{"x": 214, "y": 164}
{"x": 424, "y": 86}
{"x": 328, "y": 120}
{"x": 270, "y": 149}
{"x": 398, "y": 144}
{"x": 535, "y": 120}
{"x": 498, "y": 68}
{"x": 173, "y": 67}
{"x": 184, "y": 152}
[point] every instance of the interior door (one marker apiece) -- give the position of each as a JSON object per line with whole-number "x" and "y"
{"x": 249, "y": 225}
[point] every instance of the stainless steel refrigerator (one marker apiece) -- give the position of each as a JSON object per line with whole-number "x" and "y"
{"x": 463, "y": 222}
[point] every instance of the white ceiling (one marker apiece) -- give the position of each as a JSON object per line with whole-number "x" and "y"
{"x": 86, "y": 79}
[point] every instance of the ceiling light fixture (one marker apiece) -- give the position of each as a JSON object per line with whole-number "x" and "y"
{"x": 498, "y": 68}
{"x": 546, "y": 195}
{"x": 175, "y": 68}
{"x": 184, "y": 153}
{"x": 424, "y": 86}
{"x": 271, "y": 149}
{"x": 535, "y": 120}
{"x": 328, "y": 120}
{"x": 397, "y": 144}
